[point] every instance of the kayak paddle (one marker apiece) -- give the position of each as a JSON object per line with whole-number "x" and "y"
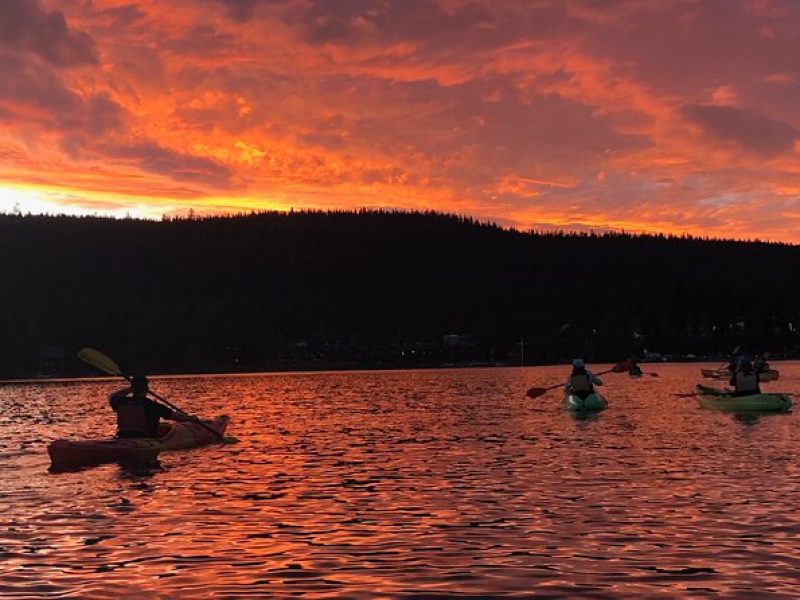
{"x": 535, "y": 392}
{"x": 102, "y": 362}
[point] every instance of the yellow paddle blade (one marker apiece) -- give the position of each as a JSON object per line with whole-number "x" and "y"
{"x": 99, "y": 360}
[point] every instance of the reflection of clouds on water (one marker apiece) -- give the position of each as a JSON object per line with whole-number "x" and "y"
{"x": 377, "y": 484}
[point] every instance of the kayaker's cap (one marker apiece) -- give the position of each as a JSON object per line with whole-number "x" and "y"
{"x": 139, "y": 383}
{"x": 578, "y": 363}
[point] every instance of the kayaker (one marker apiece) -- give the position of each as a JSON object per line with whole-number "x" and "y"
{"x": 138, "y": 415}
{"x": 760, "y": 363}
{"x": 580, "y": 381}
{"x": 733, "y": 364}
{"x": 745, "y": 380}
{"x": 634, "y": 369}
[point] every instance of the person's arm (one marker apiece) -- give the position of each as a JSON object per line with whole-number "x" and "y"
{"x": 182, "y": 417}
{"x": 732, "y": 382}
{"x": 594, "y": 378}
{"x": 173, "y": 415}
{"x": 567, "y": 385}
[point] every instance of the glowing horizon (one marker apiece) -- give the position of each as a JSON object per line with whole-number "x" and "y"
{"x": 653, "y": 116}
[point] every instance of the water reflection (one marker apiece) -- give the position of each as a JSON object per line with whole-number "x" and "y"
{"x": 133, "y": 468}
{"x": 422, "y": 484}
{"x": 747, "y": 418}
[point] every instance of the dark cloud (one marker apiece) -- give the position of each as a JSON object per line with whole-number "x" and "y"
{"x": 752, "y": 131}
{"x": 123, "y": 16}
{"x": 102, "y": 114}
{"x": 203, "y": 39}
{"x": 476, "y": 25}
{"x": 73, "y": 146}
{"x": 153, "y": 158}
{"x": 26, "y": 26}
{"x": 33, "y": 93}
{"x": 689, "y": 47}
{"x": 242, "y": 11}
{"x": 32, "y": 84}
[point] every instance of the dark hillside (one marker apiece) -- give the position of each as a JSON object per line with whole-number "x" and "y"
{"x": 280, "y": 290}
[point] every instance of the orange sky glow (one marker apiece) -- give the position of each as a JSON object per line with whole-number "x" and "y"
{"x": 674, "y": 116}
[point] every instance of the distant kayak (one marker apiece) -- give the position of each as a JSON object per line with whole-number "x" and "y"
{"x": 592, "y": 402}
{"x": 176, "y": 436}
{"x": 726, "y": 401}
{"x": 770, "y": 375}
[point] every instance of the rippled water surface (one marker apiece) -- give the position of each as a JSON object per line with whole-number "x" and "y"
{"x": 416, "y": 484}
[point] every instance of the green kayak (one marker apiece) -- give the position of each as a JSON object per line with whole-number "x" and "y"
{"x": 591, "y": 402}
{"x": 722, "y": 400}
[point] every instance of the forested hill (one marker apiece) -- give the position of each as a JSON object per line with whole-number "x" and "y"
{"x": 370, "y": 289}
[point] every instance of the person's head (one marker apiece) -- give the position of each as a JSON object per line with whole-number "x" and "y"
{"x": 744, "y": 362}
{"x": 139, "y": 384}
{"x": 578, "y": 363}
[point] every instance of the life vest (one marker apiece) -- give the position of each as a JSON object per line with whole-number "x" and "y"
{"x": 580, "y": 383}
{"x": 132, "y": 418}
{"x": 746, "y": 383}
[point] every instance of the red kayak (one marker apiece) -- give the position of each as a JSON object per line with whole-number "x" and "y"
{"x": 172, "y": 436}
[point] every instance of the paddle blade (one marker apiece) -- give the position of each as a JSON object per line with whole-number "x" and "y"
{"x": 535, "y": 392}
{"x": 99, "y": 360}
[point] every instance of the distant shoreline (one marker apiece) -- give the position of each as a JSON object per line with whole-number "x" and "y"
{"x": 334, "y": 369}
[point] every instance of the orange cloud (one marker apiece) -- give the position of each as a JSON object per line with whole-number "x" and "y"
{"x": 650, "y": 115}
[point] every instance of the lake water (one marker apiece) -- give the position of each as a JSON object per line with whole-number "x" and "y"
{"x": 416, "y": 484}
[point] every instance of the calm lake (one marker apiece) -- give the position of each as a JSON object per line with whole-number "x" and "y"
{"x": 412, "y": 484}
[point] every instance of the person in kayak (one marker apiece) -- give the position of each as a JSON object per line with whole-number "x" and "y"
{"x": 634, "y": 370}
{"x": 760, "y": 363}
{"x": 580, "y": 381}
{"x": 745, "y": 380}
{"x": 137, "y": 415}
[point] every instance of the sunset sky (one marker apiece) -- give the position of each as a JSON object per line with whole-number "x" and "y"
{"x": 679, "y": 116}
